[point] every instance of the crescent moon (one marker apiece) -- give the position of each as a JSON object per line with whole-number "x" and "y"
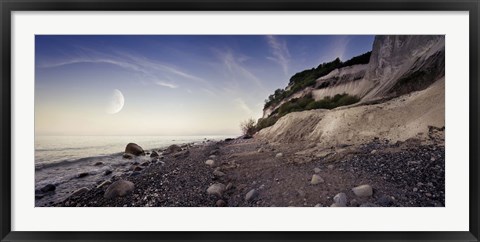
{"x": 116, "y": 102}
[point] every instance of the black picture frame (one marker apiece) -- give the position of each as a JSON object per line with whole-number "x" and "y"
{"x": 7, "y": 6}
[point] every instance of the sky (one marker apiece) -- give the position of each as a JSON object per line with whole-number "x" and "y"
{"x": 171, "y": 84}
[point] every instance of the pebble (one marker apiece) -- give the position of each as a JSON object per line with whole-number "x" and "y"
{"x": 83, "y": 174}
{"x": 251, "y": 195}
{"x": 330, "y": 167}
{"x": 218, "y": 173}
{"x": 341, "y": 199}
{"x": 221, "y": 203}
{"x": 98, "y": 163}
{"x": 107, "y": 172}
{"x": 119, "y": 188}
{"x": 373, "y": 152}
{"x": 105, "y": 183}
{"x": 318, "y": 205}
{"x": 48, "y": 188}
{"x": 80, "y": 191}
{"x": 316, "y": 179}
{"x": 212, "y": 157}
{"x": 210, "y": 162}
{"x": 279, "y": 155}
{"x": 385, "y": 201}
{"x": 216, "y": 189}
{"x": 260, "y": 150}
{"x": 428, "y": 194}
{"x": 229, "y": 186}
{"x": 363, "y": 191}
{"x": 415, "y": 189}
{"x": 316, "y": 170}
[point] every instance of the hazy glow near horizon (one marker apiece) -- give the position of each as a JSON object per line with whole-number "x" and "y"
{"x": 171, "y": 84}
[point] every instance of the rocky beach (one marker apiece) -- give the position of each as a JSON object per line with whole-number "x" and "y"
{"x": 255, "y": 172}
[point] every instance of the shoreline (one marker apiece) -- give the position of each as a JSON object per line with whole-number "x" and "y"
{"x": 254, "y": 172}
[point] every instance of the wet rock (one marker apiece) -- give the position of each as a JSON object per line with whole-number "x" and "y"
{"x": 316, "y": 179}
{"x": 48, "y": 188}
{"x": 107, "y": 172}
{"x": 210, "y": 162}
{"x": 216, "y": 189}
{"x": 218, "y": 173}
{"x": 127, "y": 156}
{"x": 103, "y": 184}
{"x": 183, "y": 153}
{"x": 363, "y": 191}
{"x": 385, "y": 201}
{"x": 134, "y": 149}
{"x": 172, "y": 149}
{"x": 221, "y": 203}
{"x": 83, "y": 174}
{"x": 119, "y": 188}
{"x": 80, "y": 191}
{"x": 98, "y": 163}
{"x": 154, "y": 154}
{"x": 341, "y": 199}
{"x": 316, "y": 170}
{"x": 252, "y": 194}
{"x": 137, "y": 168}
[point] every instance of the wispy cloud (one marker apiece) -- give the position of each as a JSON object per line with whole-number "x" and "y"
{"x": 151, "y": 69}
{"x": 280, "y": 52}
{"x": 339, "y": 47}
{"x": 234, "y": 65}
{"x": 166, "y": 84}
{"x": 243, "y": 105}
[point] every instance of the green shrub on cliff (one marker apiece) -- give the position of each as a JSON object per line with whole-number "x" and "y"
{"x": 306, "y": 103}
{"x": 308, "y": 77}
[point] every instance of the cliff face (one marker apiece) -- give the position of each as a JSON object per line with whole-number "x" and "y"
{"x": 398, "y": 65}
{"x": 405, "y": 80}
{"x": 401, "y": 64}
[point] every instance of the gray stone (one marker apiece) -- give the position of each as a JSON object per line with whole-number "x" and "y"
{"x": 279, "y": 155}
{"x": 330, "y": 167}
{"x": 221, "y": 203}
{"x": 341, "y": 199}
{"x": 154, "y": 154}
{"x": 252, "y": 194}
{"x": 80, "y": 191}
{"x": 385, "y": 201}
{"x": 83, "y": 174}
{"x": 216, "y": 189}
{"x": 229, "y": 186}
{"x": 48, "y": 188}
{"x": 127, "y": 156}
{"x": 316, "y": 170}
{"x": 210, "y": 162}
{"x": 134, "y": 149}
{"x": 119, "y": 188}
{"x": 316, "y": 179}
{"x": 363, "y": 191}
{"x": 103, "y": 184}
{"x": 218, "y": 173}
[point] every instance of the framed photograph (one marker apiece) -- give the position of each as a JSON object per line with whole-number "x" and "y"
{"x": 228, "y": 120}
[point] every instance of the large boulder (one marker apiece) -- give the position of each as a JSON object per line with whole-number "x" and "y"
{"x": 172, "y": 149}
{"x": 134, "y": 149}
{"x": 119, "y": 188}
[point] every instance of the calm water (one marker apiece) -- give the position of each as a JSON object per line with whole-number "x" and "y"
{"x": 59, "y": 159}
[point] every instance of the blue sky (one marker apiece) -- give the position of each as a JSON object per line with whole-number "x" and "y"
{"x": 172, "y": 84}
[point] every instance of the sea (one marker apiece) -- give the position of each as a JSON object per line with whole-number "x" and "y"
{"x": 60, "y": 159}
